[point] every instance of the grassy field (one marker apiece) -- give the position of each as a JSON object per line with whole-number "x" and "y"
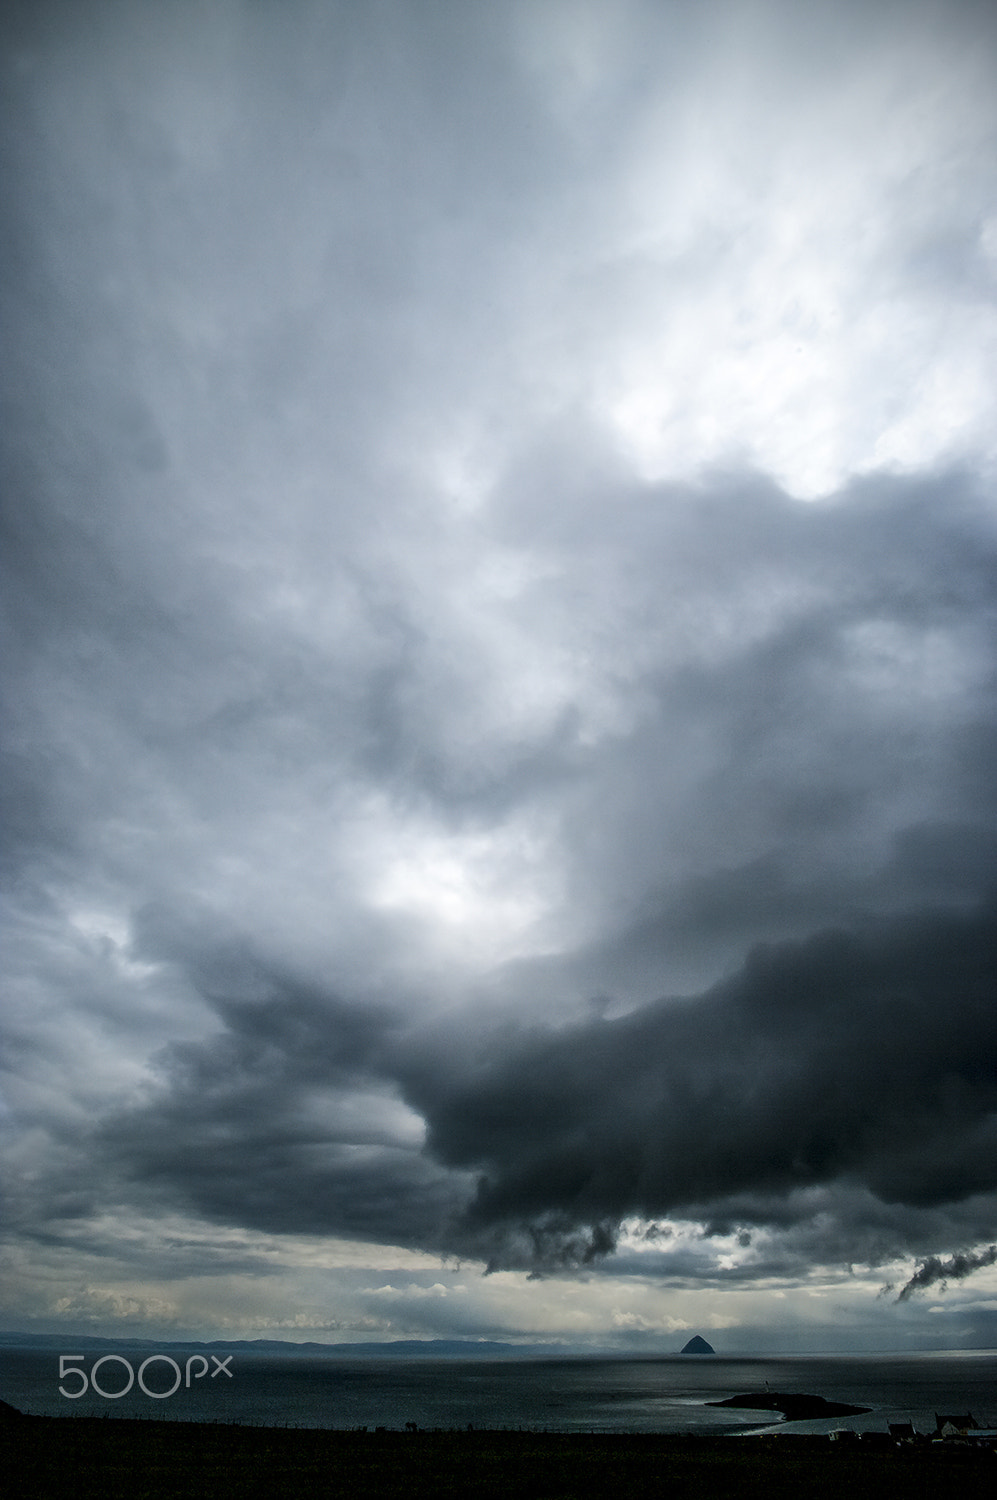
{"x": 130, "y": 1460}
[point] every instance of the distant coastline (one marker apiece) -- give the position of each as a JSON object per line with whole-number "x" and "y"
{"x": 393, "y": 1348}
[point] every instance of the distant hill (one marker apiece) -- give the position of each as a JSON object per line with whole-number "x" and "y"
{"x": 696, "y": 1345}
{"x": 391, "y": 1349}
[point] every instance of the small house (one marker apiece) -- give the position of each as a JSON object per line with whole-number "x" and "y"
{"x": 959, "y": 1426}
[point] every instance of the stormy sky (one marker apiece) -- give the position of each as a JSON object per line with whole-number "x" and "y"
{"x": 500, "y": 734}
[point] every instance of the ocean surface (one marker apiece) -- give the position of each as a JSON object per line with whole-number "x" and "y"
{"x": 669, "y": 1394}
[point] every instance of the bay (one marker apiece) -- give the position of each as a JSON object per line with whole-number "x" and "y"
{"x": 667, "y": 1394}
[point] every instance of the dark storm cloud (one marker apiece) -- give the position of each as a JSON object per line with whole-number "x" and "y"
{"x": 869, "y": 1059}
{"x": 842, "y": 1092}
{"x": 936, "y": 1272}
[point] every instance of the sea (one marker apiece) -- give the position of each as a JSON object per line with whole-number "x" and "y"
{"x": 668, "y": 1394}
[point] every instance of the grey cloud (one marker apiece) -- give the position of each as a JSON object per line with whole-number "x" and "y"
{"x": 281, "y": 1120}
{"x": 798, "y": 741}
{"x": 937, "y": 1272}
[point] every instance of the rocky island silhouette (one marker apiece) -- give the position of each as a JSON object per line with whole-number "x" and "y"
{"x": 794, "y": 1407}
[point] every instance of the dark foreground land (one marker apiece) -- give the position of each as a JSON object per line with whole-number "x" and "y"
{"x": 113, "y": 1459}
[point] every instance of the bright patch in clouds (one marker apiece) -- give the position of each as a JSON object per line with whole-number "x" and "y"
{"x": 480, "y": 897}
